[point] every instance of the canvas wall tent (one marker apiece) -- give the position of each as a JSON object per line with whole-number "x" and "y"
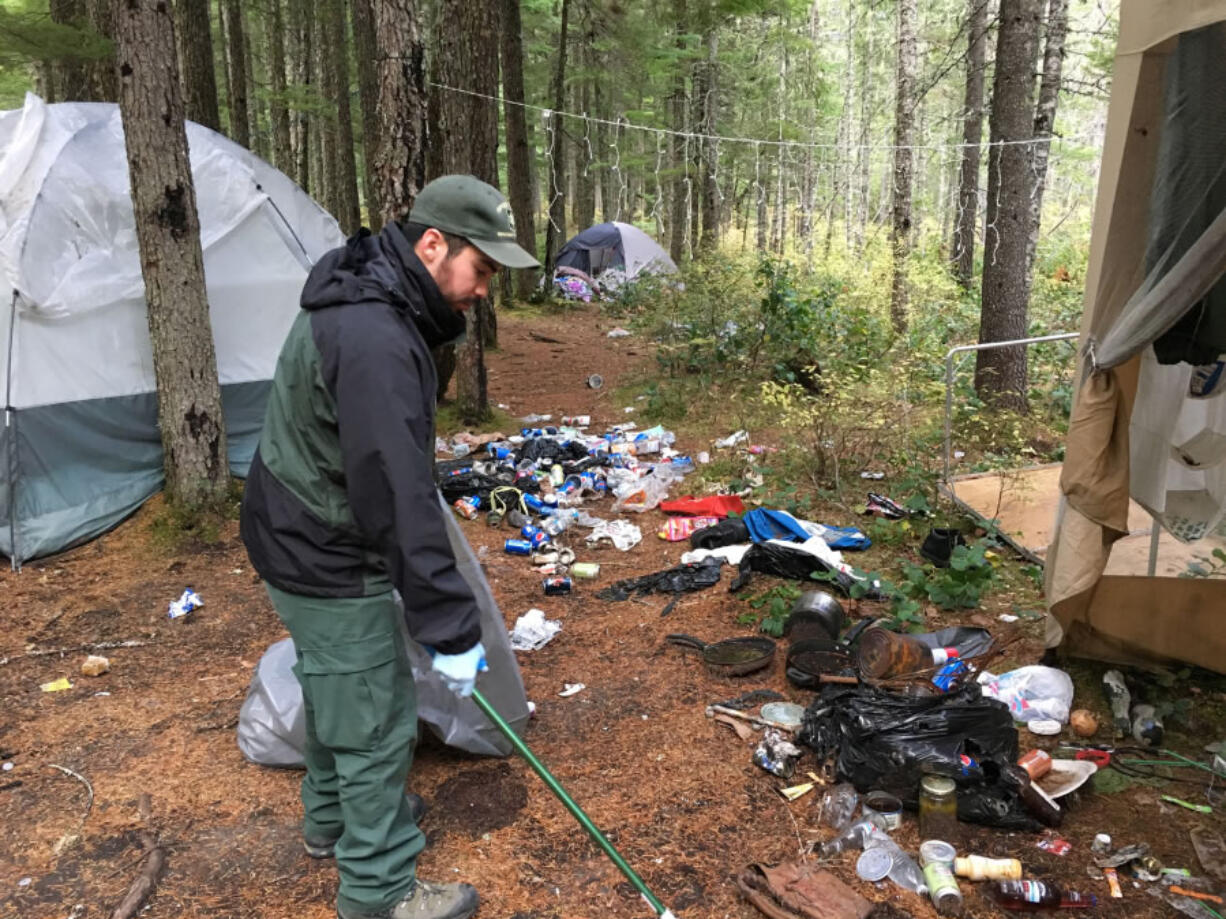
{"x": 80, "y": 444}
{"x": 616, "y": 251}
{"x": 1150, "y": 420}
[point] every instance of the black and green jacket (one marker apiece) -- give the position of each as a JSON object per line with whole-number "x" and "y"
{"x": 340, "y": 500}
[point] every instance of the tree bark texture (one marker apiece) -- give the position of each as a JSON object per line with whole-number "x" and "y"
{"x": 338, "y": 138}
{"x": 555, "y": 190}
{"x": 904, "y": 162}
{"x": 466, "y": 128}
{"x": 1000, "y": 374}
{"x": 195, "y": 36}
{"x": 103, "y": 81}
{"x": 399, "y": 161}
{"x": 962, "y": 251}
{"x": 168, "y": 233}
{"x": 519, "y": 154}
{"x": 282, "y": 153}
{"x": 255, "y": 104}
{"x": 69, "y": 75}
{"x": 300, "y": 75}
{"x": 1045, "y": 117}
{"x": 240, "y": 125}
{"x": 365, "y": 57}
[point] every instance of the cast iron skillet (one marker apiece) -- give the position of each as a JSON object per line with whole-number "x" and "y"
{"x": 731, "y": 657}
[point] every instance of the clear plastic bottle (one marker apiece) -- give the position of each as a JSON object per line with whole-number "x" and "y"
{"x": 856, "y": 836}
{"x": 1031, "y": 895}
{"x": 838, "y": 804}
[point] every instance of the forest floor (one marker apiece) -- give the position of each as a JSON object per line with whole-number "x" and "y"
{"x": 676, "y": 792}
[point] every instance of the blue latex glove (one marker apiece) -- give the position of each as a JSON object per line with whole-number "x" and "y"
{"x": 459, "y": 671}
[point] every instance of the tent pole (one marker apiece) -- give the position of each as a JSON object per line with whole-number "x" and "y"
{"x": 1154, "y": 532}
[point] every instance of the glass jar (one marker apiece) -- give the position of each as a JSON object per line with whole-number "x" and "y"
{"x": 938, "y": 809}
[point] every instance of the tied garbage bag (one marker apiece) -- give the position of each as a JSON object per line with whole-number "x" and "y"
{"x": 682, "y": 579}
{"x": 799, "y": 561}
{"x": 271, "y": 726}
{"x": 730, "y": 532}
{"x": 888, "y": 740}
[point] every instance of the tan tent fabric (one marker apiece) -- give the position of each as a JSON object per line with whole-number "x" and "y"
{"x": 1124, "y": 619}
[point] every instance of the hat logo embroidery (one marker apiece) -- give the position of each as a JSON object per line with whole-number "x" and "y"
{"x": 505, "y": 210}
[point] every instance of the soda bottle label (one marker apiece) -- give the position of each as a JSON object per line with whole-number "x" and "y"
{"x": 1033, "y": 891}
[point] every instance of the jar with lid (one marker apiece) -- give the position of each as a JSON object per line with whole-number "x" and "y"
{"x": 938, "y": 808}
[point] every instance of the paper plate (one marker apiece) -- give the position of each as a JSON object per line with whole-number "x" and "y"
{"x": 1066, "y": 775}
{"x": 1046, "y": 727}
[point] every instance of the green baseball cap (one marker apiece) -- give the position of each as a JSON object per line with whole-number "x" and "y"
{"x": 466, "y": 206}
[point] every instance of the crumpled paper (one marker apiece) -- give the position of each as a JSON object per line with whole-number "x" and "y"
{"x": 622, "y": 533}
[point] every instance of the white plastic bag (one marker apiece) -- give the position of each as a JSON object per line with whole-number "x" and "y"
{"x": 1033, "y": 693}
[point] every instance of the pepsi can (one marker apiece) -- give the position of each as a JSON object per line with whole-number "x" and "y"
{"x": 556, "y": 586}
{"x": 536, "y": 537}
{"x": 534, "y": 503}
{"x": 517, "y": 547}
{"x": 949, "y": 675}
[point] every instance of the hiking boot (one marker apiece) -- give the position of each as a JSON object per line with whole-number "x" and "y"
{"x": 939, "y": 545}
{"x": 325, "y": 846}
{"x": 426, "y": 901}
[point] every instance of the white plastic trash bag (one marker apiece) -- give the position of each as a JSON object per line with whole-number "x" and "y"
{"x": 1033, "y": 693}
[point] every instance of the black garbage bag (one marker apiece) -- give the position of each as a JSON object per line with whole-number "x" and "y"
{"x": 550, "y": 450}
{"x": 729, "y": 532}
{"x": 787, "y": 560}
{"x": 467, "y": 482}
{"x": 890, "y": 740}
{"x": 682, "y": 579}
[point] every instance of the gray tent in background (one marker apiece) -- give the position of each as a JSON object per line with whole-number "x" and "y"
{"x": 80, "y": 444}
{"x": 612, "y": 253}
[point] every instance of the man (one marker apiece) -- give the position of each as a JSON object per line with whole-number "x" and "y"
{"x": 341, "y": 507}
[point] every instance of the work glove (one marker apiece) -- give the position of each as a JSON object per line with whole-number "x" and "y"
{"x": 459, "y": 671}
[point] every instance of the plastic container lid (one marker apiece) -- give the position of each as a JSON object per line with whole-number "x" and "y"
{"x": 874, "y": 864}
{"x": 938, "y": 785}
{"x": 788, "y": 713}
{"x": 937, "y": 850}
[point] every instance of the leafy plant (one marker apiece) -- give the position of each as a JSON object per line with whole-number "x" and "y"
{"x": 773, "y": 607}
{"x": 1204, "y": 566}
{"x": 960, "y": 586}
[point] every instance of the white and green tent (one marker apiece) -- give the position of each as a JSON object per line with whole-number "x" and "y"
{"x": 80, "y": 448}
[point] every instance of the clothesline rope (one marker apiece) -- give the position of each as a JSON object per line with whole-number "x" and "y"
{"x": 793, "y": 144}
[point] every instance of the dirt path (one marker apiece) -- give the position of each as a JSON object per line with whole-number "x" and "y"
{"x": 676, "y": 793}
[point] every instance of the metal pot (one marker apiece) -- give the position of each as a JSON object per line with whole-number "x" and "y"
{"x": 815, "y": 614}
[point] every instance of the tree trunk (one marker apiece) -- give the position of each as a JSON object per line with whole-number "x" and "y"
{"x": 863, "y": 157}
{"x": 282, "y": 155}
{"x": 710, "y": 162}
{"x": 195, "y": 34}
{"x": 240, "y": 125}
{"x": 365, "y": 55}
{"x": 761, "y": 177}
{"x": 519, "y": 154}
{"x": 68, "y": 74}
{"x": 962, "y": 251}
{"x": 466, "y": 127}
{"x": 904, "y": 136}
{"x": 677, "y": 224}
{"x": 1045, "y": 118}
{"x": 103, "y": 80}
{"x": 399, "y": 161}
{"x": 555, "y": 192}
{"x": 338, "y": 138}
{"x": 255, "y": 105}
{"x": 300, "y": 77}
{"x": 168, "y": 233}
{"x": 1000, "y": 374}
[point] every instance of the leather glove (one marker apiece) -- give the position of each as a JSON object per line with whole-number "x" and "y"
{"x": 459, "y": 671}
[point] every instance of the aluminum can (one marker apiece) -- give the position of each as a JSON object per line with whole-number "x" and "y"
{"x": 517, "y": 547}
{"x": 535, "y": 536}
{"x": 468, "y": 506}
{"x": 584, "y": 570}
{"x": 556, "y": 586}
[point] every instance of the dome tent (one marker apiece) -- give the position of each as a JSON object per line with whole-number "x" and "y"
{"x": 80, "y": 447}
{"x": 618, "y": 250}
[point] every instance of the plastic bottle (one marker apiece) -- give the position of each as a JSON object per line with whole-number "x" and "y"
{"x": 1147, "y": 725}
{"x": 854, "y": 837}
{"x": 838, "y": 804}
{"x": 1120, "y": 698}
{"x": 558, "y": 523}
{"x": 979, "y": 868}
{"x": 1031, "y": 895}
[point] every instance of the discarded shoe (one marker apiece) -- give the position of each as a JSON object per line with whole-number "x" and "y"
{"x": 427, "y": 901}
{"x": 939, "y": 545}
{"x": 325, "y": 847}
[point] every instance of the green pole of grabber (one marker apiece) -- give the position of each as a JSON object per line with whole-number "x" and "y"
{"x": 576, "y": 811}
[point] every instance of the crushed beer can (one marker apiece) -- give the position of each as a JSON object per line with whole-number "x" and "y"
{"x": 184, "y": 605}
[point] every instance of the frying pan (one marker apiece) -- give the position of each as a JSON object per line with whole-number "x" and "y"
{"x": 731, "y": 657}
{"x": 810, "y": 658}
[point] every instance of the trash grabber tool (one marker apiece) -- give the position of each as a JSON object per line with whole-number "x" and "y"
{"x": 577, "y": 812}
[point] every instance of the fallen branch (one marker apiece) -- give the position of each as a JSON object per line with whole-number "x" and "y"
{"x": 92, "y": 646}
{"x": 146, "y": 881}
{"x": 89, "y": 804}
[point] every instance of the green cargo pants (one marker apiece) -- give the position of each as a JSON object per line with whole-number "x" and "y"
{"x": 361, "y": 726}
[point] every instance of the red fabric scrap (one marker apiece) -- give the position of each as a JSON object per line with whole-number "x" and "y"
{"x": 710, "y": 506}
